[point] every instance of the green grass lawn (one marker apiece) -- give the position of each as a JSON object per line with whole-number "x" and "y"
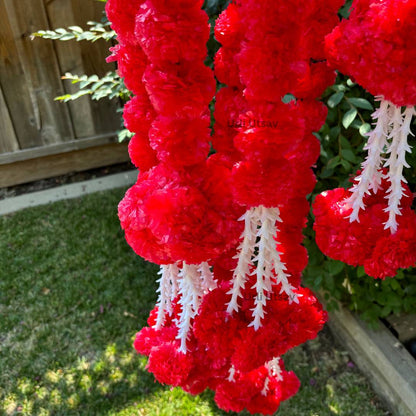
{"x": 72, "y": 296}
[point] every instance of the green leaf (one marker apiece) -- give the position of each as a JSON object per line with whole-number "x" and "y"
{"x": 335, "y": 99}
{"x": 345, "y": 143}
{"x": 124, "y": 135}
{"x": 67, "y": 36}
{"x": 288, "y": 98}
{"x": 335, "y": 267}
{"x": 360, "y": 271}
{"x": 409, "y": 303}
{"x": 332, "y": 163}
{"x": 76, "y": 29}
{"x": 394, "y": 299}
{"x": 332, "y": 305}
{"x": 349, "y": 155}
{"x": 346, "y": 165}
{"x": 334, "y": 132}
{"x": 330, "y": 282}
{"x": 360, "y": 103}
{"x": 339, "y": 88}
{"x": 349, "y": 117}
{"x": 395, "y": 284}
{"x": 326, "y": 173}
{"x": 356, "y": 124}
{"x": 350, "y": 83}
{"x": 318, "y": 281}
{"x": 386, "y": 311}
{"x": 364, "y": 129}
{"x": 411, "y": 289}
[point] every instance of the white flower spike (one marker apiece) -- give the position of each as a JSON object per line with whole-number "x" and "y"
{"x": 259, "y": 235}
{"x": 389, "y": 137}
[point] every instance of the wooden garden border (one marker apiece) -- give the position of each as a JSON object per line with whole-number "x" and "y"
{"x": 384, "y": 360}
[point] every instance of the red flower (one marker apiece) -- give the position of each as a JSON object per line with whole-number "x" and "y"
{"x": 229, "y": 30}
{"x": 226, "y": 68}
{"x": 286, "y": 326}
{"x": 180, "y": 90}
{"x": 140, "y": 152}
{"x": 394, "y": 251}
{"x": 375, "y": 44}
{"x": 253, "y": 392}
{"x": 161, "y": 31}
{"x": 167, "y": 218}
{"x": 168, "y": 365}
{"x": 189, "y": 138}
{"x": 121, "y": 14}
{"x": 366, "y": 242}
{"x": 131, "y": 65}
{"x": 138, "y": 114}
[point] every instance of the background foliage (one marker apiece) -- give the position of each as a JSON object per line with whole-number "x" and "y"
{"x": 342, "y": 139}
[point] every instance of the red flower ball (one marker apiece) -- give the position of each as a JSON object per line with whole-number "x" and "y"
{"x": 376, "y": 43}
{"x": 366, "y": 242}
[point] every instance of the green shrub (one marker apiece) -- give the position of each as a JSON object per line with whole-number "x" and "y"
{"x": 342, "y": 140}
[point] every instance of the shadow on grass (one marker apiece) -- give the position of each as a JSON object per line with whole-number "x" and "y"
{"x": 89, "y": 387}
{"x": 72, "y": 294}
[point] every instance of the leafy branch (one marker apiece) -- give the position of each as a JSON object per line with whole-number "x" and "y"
{"x": 96, "y": 31}
{"x": 110, "y": 86}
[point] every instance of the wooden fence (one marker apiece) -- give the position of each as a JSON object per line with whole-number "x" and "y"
{"x": 38, "y": 135}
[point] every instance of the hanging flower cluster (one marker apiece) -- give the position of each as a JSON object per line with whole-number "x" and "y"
{"x": 228, "y": 356}
{"x": 230, "y": 302}
{"x": 180, "y": 213}
{"x": 264, "y": 57}
{"x": 373, "y": 46}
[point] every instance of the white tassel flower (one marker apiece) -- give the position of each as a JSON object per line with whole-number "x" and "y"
{"x": 231, "y": 374}
{"x": 370, "y": 177}
{"x": 389, "y": 136}
{"x": 168, "y": 290}
{"x": 396, "y": 162}
{"x": 207, "y": 277}
{"x": 260, "y": 233}
{"x": 194, "y": 282}
{"x": 275, "y": 371}
{"x": 191, "y": 283}
{"x": 274, "y": 368}
{"x": 245, "y": 254}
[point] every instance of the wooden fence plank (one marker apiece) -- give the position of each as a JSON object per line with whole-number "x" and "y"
{"x": 94, "y": 55}
{"x": 49, "y": 166}
{"x": 8, "y": 140}
{"x": 41, "y": 70}
{"x": 14, "y": 85}
{"x": 60, "y": 14}
{"x": 54, "y": 149}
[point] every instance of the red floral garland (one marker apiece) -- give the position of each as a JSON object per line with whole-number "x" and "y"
{"x": 223, "y": 320}
{"x": 266, "y": 139}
